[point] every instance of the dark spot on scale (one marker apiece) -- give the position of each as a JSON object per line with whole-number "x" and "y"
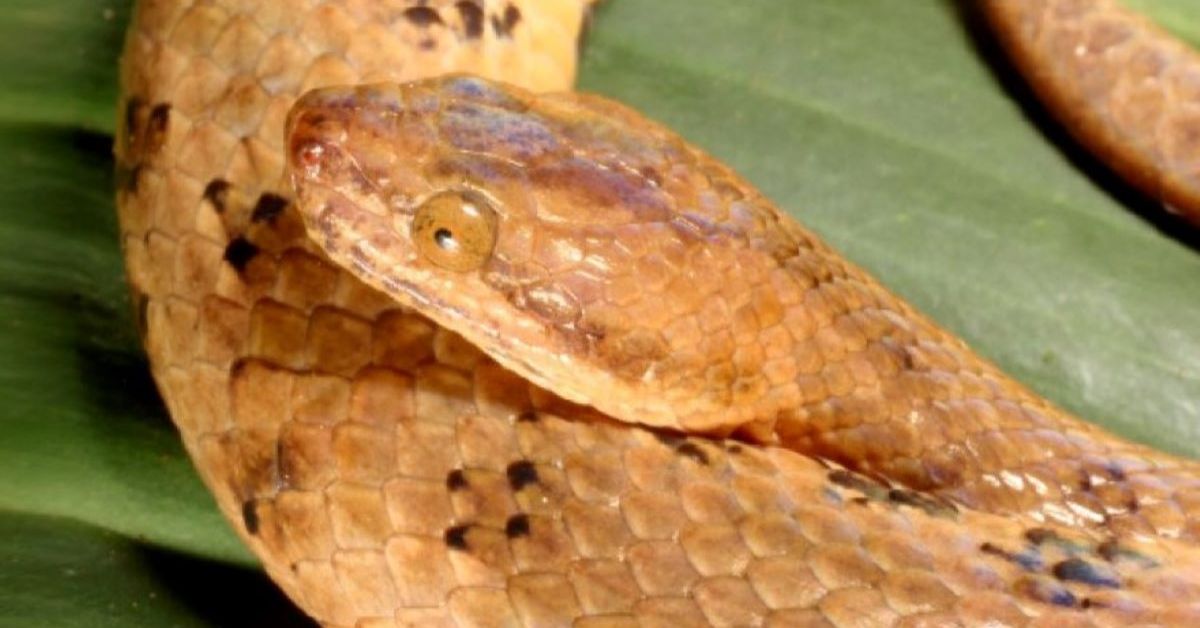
{"x": 734, "y": 448}
{"x": 529, "y": 416}
{"x": 250, "y": 516}
{"x": 1037, "y": 536}
{"x": 521, "y": 474}
{"x": 268, "y": 207}
{"x": 422, "y": 17}
{"x": 1079, "y": 570}
{"x": 160, "y": 117}
{"x": 456, "y": 480}
{"x": 1029, "y": 560}
{"x": 427, "y": 44}
{"x": 239, "y": 252}
{"x": 1109, "y": 550}
{"x": 517, "y": 526}
{"x": 1114, "y": 471}
{"x": 1085, "y": 480}
{"x": 856, "y": 482}
{"x": 1047, "y": 591}
{"x": 156, "y": 126}
{"x": 860, "y": 501}
{"x": 691, "y": 450}
{"x": 504, "y": 24}
{"x": 456, "y": 537}
{"x": 217, "y": 193}
{"x": 931, "y": 505}
{"x": 472, "y": 19}
{"x": 1044, "y": 536}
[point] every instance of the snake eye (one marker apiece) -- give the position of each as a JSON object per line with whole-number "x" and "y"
{"x": 455, "y": 230}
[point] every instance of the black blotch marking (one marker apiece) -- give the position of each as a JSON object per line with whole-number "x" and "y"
{"x": 517, "y": 526}
{"x": 1043, "y": 536}
{"x": 693, "y": 451}
{"x": 456, "y": 537}
{"x": 1028, "y": 560}
{"x": 528, "y": 417}
{"x": 856, "y": 482}
{"x": 268, "y": 208}
{"x": 472, "y": 19}
{"x": 456, "y": 480}
{"x": 1079, "y": 570}
{"x": 504, "y": 24}
{"x": 422, "y": 17}
{"x": 217, "y": 193}
{"x": 160, "y": 117}
{"x": 250, "y": 516}
{"x": 1048, "y": 591}
{"x": 521, "y": 474}
{"x": 239, "y": 252}
{"x": 734, "y": 448}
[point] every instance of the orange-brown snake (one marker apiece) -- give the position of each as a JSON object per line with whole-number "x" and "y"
{"x": 502, "y": 433}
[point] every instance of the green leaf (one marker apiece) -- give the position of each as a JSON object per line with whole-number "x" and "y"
{"x": 890, "y": 128}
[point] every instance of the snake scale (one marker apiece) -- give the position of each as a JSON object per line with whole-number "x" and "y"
{"x": 603, "y": 381}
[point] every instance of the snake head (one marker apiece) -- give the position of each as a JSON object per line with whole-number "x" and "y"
{"x": 580, "y": 245}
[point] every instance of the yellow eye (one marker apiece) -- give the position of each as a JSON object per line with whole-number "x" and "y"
{"x": 455, "y": 230}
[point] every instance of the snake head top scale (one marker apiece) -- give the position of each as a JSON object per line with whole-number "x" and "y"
{"x": 590, "y": 251}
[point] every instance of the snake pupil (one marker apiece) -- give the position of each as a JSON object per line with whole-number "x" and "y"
{"x": 445, "y": 239}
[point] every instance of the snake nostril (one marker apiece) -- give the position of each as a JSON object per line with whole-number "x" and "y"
{"x": 313, "y": 158}
{"x": 309, "y": 154}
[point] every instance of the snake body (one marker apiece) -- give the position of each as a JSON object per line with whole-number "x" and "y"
{"x": 422, "y": 461}
{"x": 1122, "y": 86}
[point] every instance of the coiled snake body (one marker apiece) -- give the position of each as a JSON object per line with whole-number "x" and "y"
{"x": 603, "y": 381}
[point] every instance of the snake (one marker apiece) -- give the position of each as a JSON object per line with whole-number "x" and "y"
{"x": 451, "y": 345}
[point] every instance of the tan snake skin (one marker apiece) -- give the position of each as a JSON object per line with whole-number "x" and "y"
{"x": 1120, "y": 84}
{"x": 389, "y": 473}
